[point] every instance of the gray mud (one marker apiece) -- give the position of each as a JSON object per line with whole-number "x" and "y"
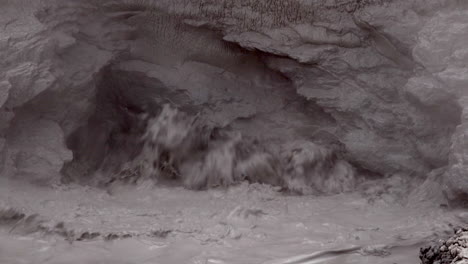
{"x": 242, "y": 224}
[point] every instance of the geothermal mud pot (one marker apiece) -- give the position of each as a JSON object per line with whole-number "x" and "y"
{"x": 233, "y": 131}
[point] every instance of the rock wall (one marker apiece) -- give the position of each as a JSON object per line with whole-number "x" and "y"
{"x": 441, "y": 50}
{"x": 379, "y": 82}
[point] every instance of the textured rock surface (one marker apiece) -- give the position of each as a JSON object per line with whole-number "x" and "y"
{"x": 380, "y": 82}
{"x": 452, "y": 251}
{"x": 36, "y": 149}
{"x": 447, "y": 66}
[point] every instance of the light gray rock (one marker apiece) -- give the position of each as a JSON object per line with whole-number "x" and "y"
{"x": 441, "y": 49}
{"x": 456, "y": 178}
{"x": 440, "y": 41}
{"x": 378, "y": 80}
{"x": 28, "y": 80}
{"x": 36, "y": 150}
{"x": 428, "y": 91}
{"x": 46, "y": 84}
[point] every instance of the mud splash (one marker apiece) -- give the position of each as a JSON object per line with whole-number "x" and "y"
{"x": 174, "y": 145}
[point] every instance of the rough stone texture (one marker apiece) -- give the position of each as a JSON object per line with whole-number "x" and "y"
{"x": 442, "y": 51}
{"x": 45, "y": 89}
{"x": 360, "y": 82}
{"x": 452, "y": 251}
{"x": 456, "y": 178}
{"x": 379, "y": 81}
{"x": 36, "y": 149}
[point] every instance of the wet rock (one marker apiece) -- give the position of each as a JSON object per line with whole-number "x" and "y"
{"x": 452, "y": 251}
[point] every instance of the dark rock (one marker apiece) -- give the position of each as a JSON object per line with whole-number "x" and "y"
{"x": 451, "y": 251}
